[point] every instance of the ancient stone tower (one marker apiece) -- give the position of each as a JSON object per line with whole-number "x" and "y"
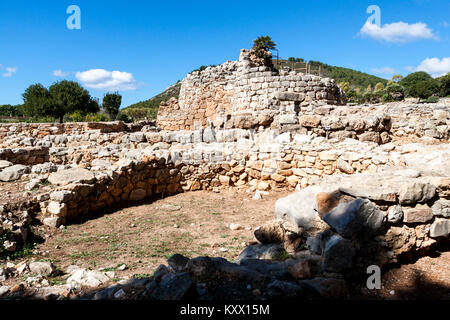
{"x": 244, "y": 94}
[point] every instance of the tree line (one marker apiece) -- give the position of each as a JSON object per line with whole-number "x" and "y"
{"x": 416, "y": 85}
{"x": 64, "y": 99}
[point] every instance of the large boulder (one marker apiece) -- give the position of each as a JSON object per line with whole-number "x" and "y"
{"x": 338, "y": 254}
{"x": 299, "y": 207}
{"x": 13, "y": 172}
{"x": 262, "y": 251}
{"x": 416, "y": 192}
{"x": 67, "y": 176}
{"x": 174, "y": 287}
{"x": 358, "y": 219}
{"x": 4, "y": 164}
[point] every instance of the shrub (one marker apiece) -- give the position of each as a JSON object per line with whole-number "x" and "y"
{"x": 433, "y": 99}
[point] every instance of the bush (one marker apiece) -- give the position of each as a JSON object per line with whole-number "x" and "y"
{"x": 444, "y": 84}
{"x": 77, "y": 116}
{"x": 96, "y": 117}
{"x": 123, "y": 117}
{"x": 433, "y": 99}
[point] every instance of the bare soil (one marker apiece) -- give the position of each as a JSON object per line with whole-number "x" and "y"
{"x": 198, "y": 223}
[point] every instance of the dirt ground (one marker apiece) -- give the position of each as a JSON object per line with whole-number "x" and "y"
{"x": 144, "y": 236}
{"x": 198, "y": 223}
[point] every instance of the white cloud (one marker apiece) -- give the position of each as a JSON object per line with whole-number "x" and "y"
{"x": 435, "y": 66}
{"x": 60, "y": 73}
{"x": 102, "y": 79}
{"x": 384, "y": 70}
{"x": 445, "y": 24}
{"x": 397, "y": 32}
{"x": 9, "y": 72}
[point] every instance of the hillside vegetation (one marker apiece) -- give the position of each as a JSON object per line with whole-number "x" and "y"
{"x": 149, "y": 108}
{"x": 356, "y": 79}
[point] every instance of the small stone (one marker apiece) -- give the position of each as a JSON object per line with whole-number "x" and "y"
{"x": 418, "y": 214}
{"x": 223, "y": 249}
{"x": 119, "y": 294}
{"x": 257, "y": 195}
{"x": 440, "y": 228}
{"x": 235, "y": 226}
{"x": 42, "y": 268}
{"x": 3, "y": 290}
{"x": 122, "y": 267}
{"x": 395, "y": 214}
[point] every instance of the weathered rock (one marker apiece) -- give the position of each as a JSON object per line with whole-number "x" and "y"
{"x": 13, "y": 172}
{"x": 201, "y": 267}
{"x": 395, "y": 214}
{"x": 161, "y": 271}
{"x": 178, "y": 263}
{"x": 3, "y": 290}
{"x": 88, "y": 278}
{"x": 299, "y": 207}
{"x": 326, "y": 201}
{"x": 400, "y": 240}
{"x": 54, "y": 222}
{"x": 338, "y": 254}
{"x": 359, "y": 219}
{"x": 64, "y": 177}
{"x": 4, "y": 164}
{"x": 174, "y": 287}
{"x": 416, "y": 192}
{"x": 274, "y": 231}
{"x": 441, "y": 208}
{"x": 309, "y": 121}
{"x": 305, "y": 268}
{"x": 273, "y": 269}
{"x": 421, "y": 213}
{"x": 262, "y": 251}
{"x": 42, "y": 268}
{"x": 440, "y": 228}
{"x": 344, "y": 166}
{"x": 61, "y": 196}
{"x": 57, "y": 208}
{"x": 137, "y": 195}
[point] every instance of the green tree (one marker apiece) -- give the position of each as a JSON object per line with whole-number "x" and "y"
{"x": 262, "y": 45}
{"x": 111, "y": 103}
{"x": 426, "y": 88}
{"x": 393, "y": 92}
{"x": 444, "y": 82}
{"x": 69, "y": 96}
{"x": 411, "y": 81}
{"x": 36, "y": 100}
{"x": 61, "y": 98}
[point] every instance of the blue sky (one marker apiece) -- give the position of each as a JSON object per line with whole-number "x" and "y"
{"x": 142, "y": 47}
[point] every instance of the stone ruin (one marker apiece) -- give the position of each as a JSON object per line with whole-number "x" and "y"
{"x": 371, "y": 183}
{"x": 243, "y": 94}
